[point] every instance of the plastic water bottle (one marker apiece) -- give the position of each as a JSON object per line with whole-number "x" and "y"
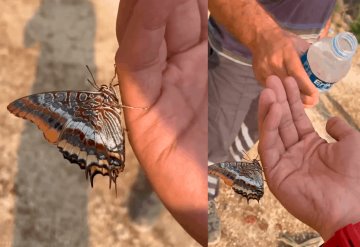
{"x": 329, "y": 59}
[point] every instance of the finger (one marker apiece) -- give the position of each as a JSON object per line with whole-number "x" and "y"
{"x": 270, "y": 146}
{"x": 294, "y": 67}
{"x": 280, "y": 72}
{"x": 261, "y": 71}
{"x": 203, "y": 7}
{"x": 300, "y": 45}
{"x": 278, "y": 68}
{"x": 143, "y": 35}
{"x": 268, "y": 124}
{"x": 125, "y": 11}
{"x": 287, "y": 129}
{"x": 267, "y": 98}
{"x": 142, "y": 53}
{"x": 183, "y": 29}
{"x": 300, "y": 119}
{"x": 338, "y": 128}
{"x": 309, "y": 101}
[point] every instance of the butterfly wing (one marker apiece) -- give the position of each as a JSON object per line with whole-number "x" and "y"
{"x": 105, "y": 148}
{"x": 48, "y": 112}
{"x": 84, "y": 125}
{"x": 245, "y": 178}
{"x": 249, "y": 182}
{"x": 224, "y": 171}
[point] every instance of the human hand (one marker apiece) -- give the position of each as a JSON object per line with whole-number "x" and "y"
{"x": 316, "y": 181}
{"x": 162, "y": 64}
{"x": 277, "y": 52}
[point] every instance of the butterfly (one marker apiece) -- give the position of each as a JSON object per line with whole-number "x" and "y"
{"x": 84, "y": 125}
{"x": 245, "y": 178}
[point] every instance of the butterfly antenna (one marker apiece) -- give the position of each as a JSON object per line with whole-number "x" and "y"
{"x": 93, "y": 82}
{"x": 124, "y": 106}
{"x": 134, "y": 107}
{"x": 112, "y": 80}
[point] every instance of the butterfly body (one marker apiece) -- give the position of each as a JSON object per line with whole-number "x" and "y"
{"x": 245, "y": 178}
{"x": 85, "y": 126}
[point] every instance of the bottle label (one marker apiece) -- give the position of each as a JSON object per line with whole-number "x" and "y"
{"x": 320, "y": 84}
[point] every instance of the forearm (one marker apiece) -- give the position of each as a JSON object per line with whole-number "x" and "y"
{"x": 246, "y": 20}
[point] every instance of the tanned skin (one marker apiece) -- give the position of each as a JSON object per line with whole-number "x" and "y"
{"x": 316, "y": 181}
{"x": 162, "y": 64}
{"x": 275, "y": 51}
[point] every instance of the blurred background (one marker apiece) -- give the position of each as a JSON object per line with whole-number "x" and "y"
{"x": 267, "y": 223}
{"x": 45, "y": 200}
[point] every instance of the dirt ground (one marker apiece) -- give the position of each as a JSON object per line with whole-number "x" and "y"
{"x": 267, "y": 223}
{"x": 45, "y": 200}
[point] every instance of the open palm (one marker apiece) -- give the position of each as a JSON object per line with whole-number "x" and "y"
{"x": 162, "y": 64}
{"x": 316, "y": 181}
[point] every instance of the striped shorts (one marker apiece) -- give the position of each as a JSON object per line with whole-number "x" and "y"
{"x": 233, "y": 103}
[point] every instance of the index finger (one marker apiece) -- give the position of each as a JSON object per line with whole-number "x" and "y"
{"x": 203, "y": 7}
{"x": 125, "y": 11}
{"x": 301, "y": 121}
{"x": 141, "y": 32}
{"x": 270, "y": 144}
{"x": 309, "y": 93}
{"x": 142, "y": 52}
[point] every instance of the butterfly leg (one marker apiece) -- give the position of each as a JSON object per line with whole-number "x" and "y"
{"x": 112, "y": 80}
{"x": 134, "y": 107}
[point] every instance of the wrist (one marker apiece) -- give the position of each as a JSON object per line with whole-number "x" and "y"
{"x": 344, "y": 236}
{"x": 338, "y": 222}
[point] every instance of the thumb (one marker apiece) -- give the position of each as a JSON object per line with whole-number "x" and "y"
{"x": 338, "y": 128}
